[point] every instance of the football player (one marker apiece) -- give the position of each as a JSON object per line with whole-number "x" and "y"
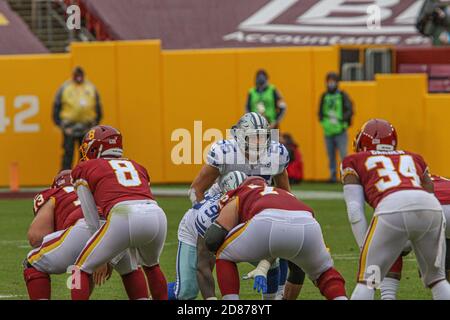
{"x": 252, "y": 151}
{"x": 389, "y": 288}
{"x": 257, "y": 222}
{"x": 58, "y": 233}
{"x": 194, "y": 261}
{"x": 442, "y": 193}
{"x": 134, "y": 221}
{"x": 397, "y": 185}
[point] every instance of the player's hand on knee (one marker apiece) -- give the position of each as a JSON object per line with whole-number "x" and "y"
{"x": 102, "y": 274}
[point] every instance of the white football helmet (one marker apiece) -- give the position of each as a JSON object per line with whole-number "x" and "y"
{"x": 252, "y": 133}
{"x": 231, "y": 180}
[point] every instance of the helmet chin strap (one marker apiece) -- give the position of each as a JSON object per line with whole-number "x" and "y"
{"x": 99, "y": 151}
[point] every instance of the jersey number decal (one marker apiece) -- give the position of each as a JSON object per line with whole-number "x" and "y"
{"x": 38, "y": 201}
{"x": 126, "y": 174}
{"x": 389, "y": 175}
{"x": 77, "y": 202}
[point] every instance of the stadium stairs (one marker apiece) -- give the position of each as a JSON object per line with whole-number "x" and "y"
{"x": 47, "y": 20}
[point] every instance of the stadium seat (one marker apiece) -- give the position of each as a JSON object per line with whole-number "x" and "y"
{"x": 413, "y": 68}
{"x": 440, "y": 71}
{"x": 437, "y": 85}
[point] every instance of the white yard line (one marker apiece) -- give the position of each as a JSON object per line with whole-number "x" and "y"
{"x": 9, "y": 296}
{"x": 13, "y": 242}
{"x": 352, "y": 256}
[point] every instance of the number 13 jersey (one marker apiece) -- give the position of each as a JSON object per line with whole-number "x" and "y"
{"x": 384, "y": 173}
{"x": 113, "y": 180}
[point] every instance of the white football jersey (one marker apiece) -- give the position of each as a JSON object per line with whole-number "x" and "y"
{"x": 197, "y": 219}
{"x": 226, "y": 156}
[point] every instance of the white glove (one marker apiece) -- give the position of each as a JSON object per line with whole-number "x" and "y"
{"x": 261, "y": 270}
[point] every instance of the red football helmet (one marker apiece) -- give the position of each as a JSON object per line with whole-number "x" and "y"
{"x": 101, "y": 141}
{"x": 62, "y": 179}
{"x": 376, "y": 134}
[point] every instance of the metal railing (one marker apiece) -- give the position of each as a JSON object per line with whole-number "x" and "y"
{"x": 46, "y": 19}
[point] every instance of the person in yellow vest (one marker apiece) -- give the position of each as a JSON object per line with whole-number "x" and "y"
{"x": 76, "y": 109}
{"x": 266, "y": 100}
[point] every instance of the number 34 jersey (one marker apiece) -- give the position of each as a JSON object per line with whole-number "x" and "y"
{"x": 113, "y": 180}
{"x": 383, "y": 173}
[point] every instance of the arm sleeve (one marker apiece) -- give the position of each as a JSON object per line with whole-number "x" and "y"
{"x": 348, "y": 108}
{"x": 320, "y": 113}
{"x": 98, "y": 107}
{"x": 354, "y": 199}
{"x": 281, "y": 106}
{"x": 248, "y": 105}
{"x": 88, "y": 206}
{"x": 216, "y": 154}
{"x": 57, "y": 105}
{"x": 284, "y": 158}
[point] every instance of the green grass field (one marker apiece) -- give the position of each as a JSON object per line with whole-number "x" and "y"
{"x": 15, "y": 216}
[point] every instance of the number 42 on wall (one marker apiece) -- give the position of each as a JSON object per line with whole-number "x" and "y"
{"x": 30, "y": 106}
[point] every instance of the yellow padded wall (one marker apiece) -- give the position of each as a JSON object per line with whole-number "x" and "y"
{"x": 139, "y": 103}
{"x": 364, "y": 97}
{"x": 154, "y": 95}
{"x": 35, "y": 142}
{"x": 400, "y": 99}
{"x": 437, "y": 133}
{"x": 197, "y": 86}
{"x": 98, "y": 59}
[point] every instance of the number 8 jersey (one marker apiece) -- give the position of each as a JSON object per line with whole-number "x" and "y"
{"x": 113, "y": 180}
{"x": 382, "y": 173}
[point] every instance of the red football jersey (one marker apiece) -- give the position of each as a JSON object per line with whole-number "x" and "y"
{"x": 442, "y": 189}
{"x": 113, "y": 180}
{"x": 67, "y": 207}
{"x": 383, "y": 173}
{"x": 252, "y": 199}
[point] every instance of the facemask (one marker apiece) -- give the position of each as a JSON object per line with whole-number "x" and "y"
{"x": 261, "y": 80}
{"x": 78, "y": 79}
{"x": 332, "y": 86}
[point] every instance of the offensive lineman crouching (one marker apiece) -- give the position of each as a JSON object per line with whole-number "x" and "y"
{"x": 194, "y": 262}
{"x": 257, "y": 222}
{"x": 253, "y": 151}
{"x": 58, "y": 233}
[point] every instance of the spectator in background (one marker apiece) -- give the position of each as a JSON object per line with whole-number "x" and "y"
{"x": 295, "y": 166}
{"x": 265, "y": 99}
{"x": 434, "y": 21}
{"x": 76, "y": 109}
{"x": 335, "y": 116}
